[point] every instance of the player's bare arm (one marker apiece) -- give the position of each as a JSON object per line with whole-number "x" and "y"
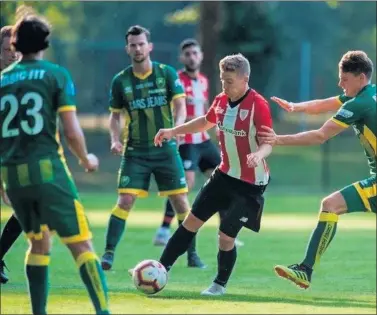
{"x": 313, "y": 137}
{"x": 76, "y": 140}
{"x": 196, "y": 125}
{"x": 310, "y": 107}
{"x": 254, "y": 158}
{"x": 179, "y": 110}
{"x": 115, "y": 131}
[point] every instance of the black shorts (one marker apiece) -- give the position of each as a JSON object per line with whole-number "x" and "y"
{"x": 204, "y": 156}
{"x": 241, "y": 203}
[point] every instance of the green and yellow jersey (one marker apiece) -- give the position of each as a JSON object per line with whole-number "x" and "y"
{"x": 145, "y": 101}
{"x": 360, "y": 112}
{"x": 32, "y": 94}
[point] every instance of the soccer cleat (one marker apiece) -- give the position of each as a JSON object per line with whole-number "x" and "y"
{"x": 162, "y": 236}
{"x": 238, "y": 243}
{"x": 298, "y": 274}
{"x": 194, "y": 261}
{"x": 3, "y": 277}
{"x": 214, "y": 290}
{"x": 130, "y": 272}
{"x": 107, "y": 260}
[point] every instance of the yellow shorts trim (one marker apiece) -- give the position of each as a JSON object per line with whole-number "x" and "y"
{"x": 340, "y": 123}
{"x": 133, "y": 191}
{"x": 115, "y": 110}
{"x": 37, "y": 236}
{"x": 37, "y": 260}
{"x": 173, "y": 192}
{"x": 67, "y": 108}
{"x": 178, "y": 96}
{"x": 84, "y": 232}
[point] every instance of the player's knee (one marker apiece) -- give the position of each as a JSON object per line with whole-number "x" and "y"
{"x": 192, "y": 223}
{"x": 332, "y": 204}
{"x": 226, "y": 242}
{"x": 41, "y": 246}
{"x": 80, "y": 247}
{"x": 126, "y": 201}
{"x": 180, "y": 203}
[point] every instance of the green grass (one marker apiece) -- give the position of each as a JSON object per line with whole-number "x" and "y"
{"x": 344, "y": 283}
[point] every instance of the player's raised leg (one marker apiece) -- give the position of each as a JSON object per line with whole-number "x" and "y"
{"x": 360, "y": 196}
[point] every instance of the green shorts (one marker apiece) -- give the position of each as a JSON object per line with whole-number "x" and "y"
{"x": 164, "y": 163}
{"x": 361, "y": 196}
{"x": 50, "y": 204}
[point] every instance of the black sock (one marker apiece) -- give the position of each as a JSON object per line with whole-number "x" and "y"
{"x": 177, "y": 245}
{"x": 225, "y": 263}
{"x": 191, "y": 250}
{"x": 169, "y": 215}
{"x": 11, "y": 232}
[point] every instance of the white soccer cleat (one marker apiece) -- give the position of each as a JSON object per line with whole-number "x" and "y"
{"x": 214, "y": 290}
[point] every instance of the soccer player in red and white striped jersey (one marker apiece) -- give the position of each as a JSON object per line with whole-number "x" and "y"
{"x": 238, "y": 184}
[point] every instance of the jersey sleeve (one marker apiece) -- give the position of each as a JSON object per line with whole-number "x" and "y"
{"x": 349, "y": 113}
{"x": 262, "y": 114}
{"x": 66, "y": 92}
{"x": 174, "y": 84}
{"x": 116, "y": 99}
{"x": 211, "y": 114}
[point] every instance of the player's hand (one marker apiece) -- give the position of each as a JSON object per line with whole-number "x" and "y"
{"x": 288, "y": 106}
{"x": 116, "y": 148}
{"x": 163, "y": 135}
{"x": 253, "y": 159}
{"x": 5, "y": 198}
{"x": 91, "y": 163}
{"x": 268, "y": 136}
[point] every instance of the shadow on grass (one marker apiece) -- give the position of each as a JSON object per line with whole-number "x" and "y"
{"x": 312, "y": 301}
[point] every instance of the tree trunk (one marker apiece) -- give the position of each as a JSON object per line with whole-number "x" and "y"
{"x": 209, "y": 29}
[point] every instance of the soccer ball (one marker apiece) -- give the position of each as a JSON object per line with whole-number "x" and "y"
{"x": 149, "y": 276}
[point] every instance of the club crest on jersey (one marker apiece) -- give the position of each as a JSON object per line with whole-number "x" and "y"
{"x": 160, "y": 82}
{"x": 244, "y": 113}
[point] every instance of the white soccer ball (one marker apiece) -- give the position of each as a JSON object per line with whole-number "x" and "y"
{"x": 149, "y": 276}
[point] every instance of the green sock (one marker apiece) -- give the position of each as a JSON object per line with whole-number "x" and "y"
{"x": 37, "y": 276}
{"x": 321, "y": 238}
{"x": 116, "y": 228}
{"x": 94, "y": 279}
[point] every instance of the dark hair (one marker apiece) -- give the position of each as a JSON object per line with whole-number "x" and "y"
{"x": 30, "y": 34}
{"x": 356, "y": 62}
{"x": 189, "y": 42}
{"x": 6, "y": 31}
{"x": 138, "y": 30}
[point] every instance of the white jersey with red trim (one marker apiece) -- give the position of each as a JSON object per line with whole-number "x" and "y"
{"x": 238, "y": 127}
{"x": 196, "y": 101}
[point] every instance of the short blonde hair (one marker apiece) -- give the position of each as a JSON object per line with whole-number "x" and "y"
{"x": 235, "y": 63}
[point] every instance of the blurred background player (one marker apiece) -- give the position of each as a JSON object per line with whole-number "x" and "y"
{"x": 144, "y": 92}
{"x": 356, "y": 107}
{"x": 12, "y": 229}
{"x": 34, "y": 93}
{"x": 196, "y": 150}
{"x": 238, "y": 184}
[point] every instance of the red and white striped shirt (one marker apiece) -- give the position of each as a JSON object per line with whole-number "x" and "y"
{"x": 238, "y": 127}
{"x": 196, "y": 99}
